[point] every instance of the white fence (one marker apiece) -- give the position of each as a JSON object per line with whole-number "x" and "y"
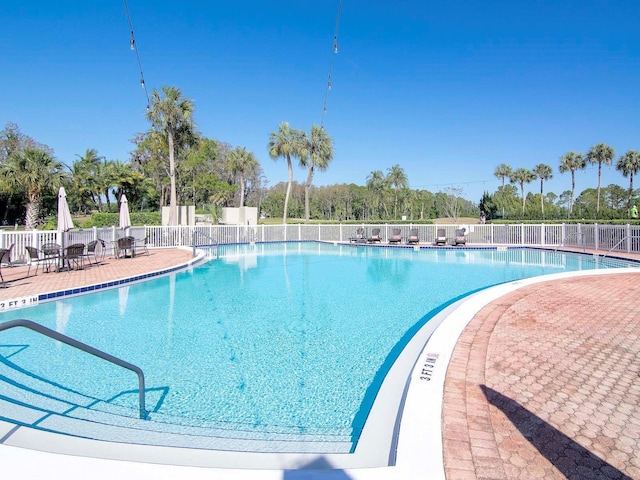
{"x": 618, "y": 238}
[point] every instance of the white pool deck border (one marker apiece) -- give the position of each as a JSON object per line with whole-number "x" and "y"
{"x": 409, "y": 437}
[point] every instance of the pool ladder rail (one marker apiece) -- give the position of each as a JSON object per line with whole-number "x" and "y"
{"x": 36, "y": 327}
{"x": 213, "y": 243}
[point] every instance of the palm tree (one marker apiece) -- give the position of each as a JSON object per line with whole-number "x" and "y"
{"x": 571, "y": 162}
{"x": 377, "y": 184}
{"x": 172, "y": 115}
{"x": 503, "y": 171}
{"x": 33, "y": 171}
{"x": 287, "y": 143}
{"x": 522, "y": 176}
{"x": 397, "y": 179}
{"x": 544, "y": 172}
{"x": 241, "y": 163}
{"x": 629, "y": 165}
{"x": 600, "y": 153}
{"x": 318, "y": 153}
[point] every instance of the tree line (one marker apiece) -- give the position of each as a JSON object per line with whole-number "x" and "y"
{"x": 172, "y": 163}
{"x": 609, "y": 202}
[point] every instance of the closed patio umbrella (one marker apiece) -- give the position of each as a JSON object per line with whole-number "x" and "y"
{"x": 65, "y": 223}
{"x": 64, "y": 215}
{"x": 125, "y": 221}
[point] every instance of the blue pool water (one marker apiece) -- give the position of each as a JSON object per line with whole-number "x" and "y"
{"x": 271, "y": 338}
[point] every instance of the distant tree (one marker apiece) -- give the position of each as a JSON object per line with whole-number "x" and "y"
{"x": 629, "y": 165}
{"x": 34, "y": 172}
{"x": 600, "y": 154}
{"x": 503, "y": 171}
{"x": 544, "y": 172}
{"x": 377, "y": 184}
{"x": 397, "y": 178}
{"x": 522, "y": 176}
{"x": 317, "y": 152}
{"x": 488, "y": 205}
{"x": 452, "y": 205}
{"x": 571, "y": 162}
{"x": 241, "y": 163}
{"x": 287, "y": 143}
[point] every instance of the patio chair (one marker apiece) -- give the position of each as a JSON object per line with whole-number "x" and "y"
{"x": 375, "y": 236}
{"x": 141, "y": 244}
{"x": 123, "y": 244}
{"x": 34, "y": 257}
{"x": 6, "y": 257}
{"x": 460, "y": 238}
{"x": 74, "y": 255}
{"x": 413, "y": 238}
{"x": 359, "y": 235}
{"x": 95, "y": 249}
{"x": 4, "y": 252}
{"x": 396, "y": 236}
{"x": 441, "y": 237}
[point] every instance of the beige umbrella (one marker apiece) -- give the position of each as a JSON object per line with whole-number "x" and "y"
{"x": 125, "y": 221}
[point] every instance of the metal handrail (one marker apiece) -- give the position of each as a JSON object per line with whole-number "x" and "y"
{"x": 214, "y": 242}
{"x": 584, "y": 249}
{"x": 85, "y": 348}
{"x": 616, "y": 245}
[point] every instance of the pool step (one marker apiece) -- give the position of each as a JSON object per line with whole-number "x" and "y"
{"x": 62, "y": 411}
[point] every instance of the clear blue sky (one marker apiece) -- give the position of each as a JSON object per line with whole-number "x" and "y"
{"x": 448, "y": 90}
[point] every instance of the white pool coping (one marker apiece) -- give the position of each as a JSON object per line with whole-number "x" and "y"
{"x": 415, "y": 449}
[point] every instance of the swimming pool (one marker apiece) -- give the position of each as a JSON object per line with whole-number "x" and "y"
{"x": 276, "y": 342}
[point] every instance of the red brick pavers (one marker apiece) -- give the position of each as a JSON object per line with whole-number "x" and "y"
{"x": 544, "y": 383}
{"x": 18, "y": 284}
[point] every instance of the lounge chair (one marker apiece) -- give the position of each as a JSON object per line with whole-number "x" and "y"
{"x": 460, "y": 238}
{"x": 413, "y": 237}
{"x": 375, "y": 236}
{"x": 359, "y": 236}
{"x": 396, "y": 236}
{"x": 441, "y": 237}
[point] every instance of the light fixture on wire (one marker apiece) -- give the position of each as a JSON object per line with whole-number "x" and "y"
{"x": 132, "y": 44}
{"x": 142, "y": 82}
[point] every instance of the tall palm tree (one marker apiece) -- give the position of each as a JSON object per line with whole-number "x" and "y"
{"x": 171, "y": 115}
{"x": 503, "y": 171}
{"x": 287, "y": 143}
{"x": 241, "y": 164}
{"x": 571, "y": 162}
{"x": 397, "y": 179}
{"x": 318, "y": 153}
{"x": 629, "y": 165}
{"x": 544, "y": 172}
{"x": 377, "y": 184}
{"x": 33, "y": 171}
{"x": 522, "y": 176}
{"x": 86, "y": 176}
{"x": 599, "y": 154}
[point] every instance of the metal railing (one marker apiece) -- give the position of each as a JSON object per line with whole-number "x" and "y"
{"x": 214, "y": 242}
{"x": 573, "y": 234}
{"x": 626, "y": 238}
{"x": 36, "y": 327}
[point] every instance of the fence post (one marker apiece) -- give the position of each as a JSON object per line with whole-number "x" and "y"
{"x": 522, "y": 234}
{"x": 596, "y": 237}
{"x": 628, "y": 238}
{"x": 319, "y": 232}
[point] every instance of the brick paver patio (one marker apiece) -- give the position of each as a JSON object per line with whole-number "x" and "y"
{"x": 543, "y": 383}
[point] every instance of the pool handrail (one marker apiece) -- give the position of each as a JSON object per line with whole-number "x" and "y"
{"x": 626, "y": 237}
{"x": 213, "y": 243}
{"x": 580, "y": 234}
{"x": 36, "y": 327}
